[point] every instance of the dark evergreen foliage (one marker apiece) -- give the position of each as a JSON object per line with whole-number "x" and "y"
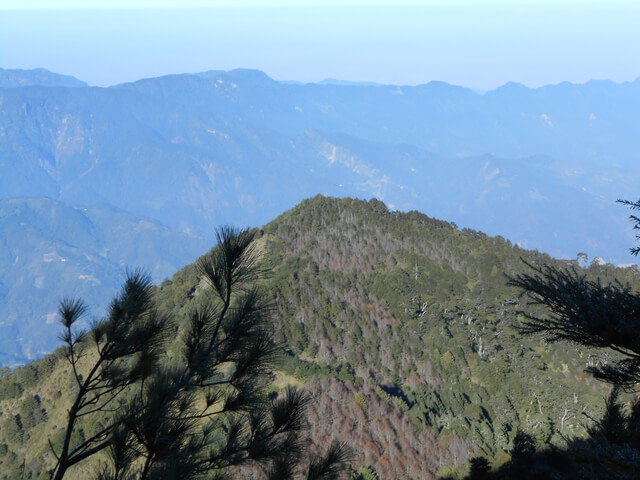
{"x": 202, "y": 411}
{"x": 593, "y": 314}
{"x": 479, "y": 468}
{"x": 127, "y": 345}
{"x": 635, "y": 220}
{"x": 588, "y": 313}
{"x": 524, "y": 446}
{"x": 611, "y": 451}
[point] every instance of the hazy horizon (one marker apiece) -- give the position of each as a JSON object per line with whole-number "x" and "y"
{"x": 330, "y": 80}
{"x": 479, "y": 46}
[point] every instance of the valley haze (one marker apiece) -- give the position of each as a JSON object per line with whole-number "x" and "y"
{"x": 175, "y": 156}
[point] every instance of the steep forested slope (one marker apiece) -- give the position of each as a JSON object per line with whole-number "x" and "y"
{"x": 420, "y": 310}
{"x": 401, "y": 327}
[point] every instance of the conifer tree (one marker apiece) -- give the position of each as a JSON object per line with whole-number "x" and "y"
{"x": 127, "y": 345}
{"x": 204, "y": 411}
{"x": 588, "y": 313}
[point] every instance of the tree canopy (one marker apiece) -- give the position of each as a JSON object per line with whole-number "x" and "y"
{"x": 590, "y": 313}
{"x": 200, "y": 410}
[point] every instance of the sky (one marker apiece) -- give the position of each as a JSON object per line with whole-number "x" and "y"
{"x": 478, "y": 44}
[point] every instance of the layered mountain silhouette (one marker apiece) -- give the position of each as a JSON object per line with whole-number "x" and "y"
{"x": 541, "y": 167}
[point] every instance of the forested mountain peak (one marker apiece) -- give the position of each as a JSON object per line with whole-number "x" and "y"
{"x": 401, "y": 327}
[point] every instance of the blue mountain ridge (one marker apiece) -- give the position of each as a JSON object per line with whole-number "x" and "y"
{"x": 14, "y": 78}
{"x": 50, "y": 250}
{"x": 186, "y": 153}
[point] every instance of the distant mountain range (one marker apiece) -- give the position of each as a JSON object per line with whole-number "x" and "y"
{"x": 50, "y": 250}
{"x": 185, "y": 153}
{"x": 37, "y": 77}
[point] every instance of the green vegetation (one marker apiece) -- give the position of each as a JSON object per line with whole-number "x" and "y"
{"x": 194, "y": 414}
{"x": 414, "y": 306}
{"x": 589, "y": 313}
{"x": 365, "y": 473}
{"x": 403, "y": 329}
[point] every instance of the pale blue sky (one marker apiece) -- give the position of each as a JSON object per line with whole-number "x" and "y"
{"x": 480, "y": 44}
